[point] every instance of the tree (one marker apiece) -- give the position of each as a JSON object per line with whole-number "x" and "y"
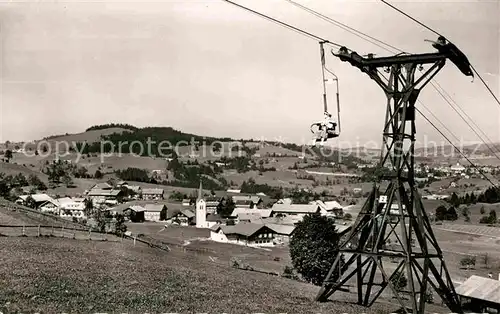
{"x": 468, "y": 261}
{"x": 120, "y": 226}
{"x": 399, "y": 281}
{"x": 8, "y": 155}
{"x": 163, "y": 214}
{"x": 4, "y": 188}
{"x": 89, "y": 206}
{"x": 441, "y": 213}
{"x": 98, "y": 174}
{"x": 455, "y": 201}
{"x": 465, "y": 211}
{"x": 493, "y": 216}
{"x": 30, "y": 202}
{"x": 226, "y": 208}
{"x": 451, "y": 213}
{"x": 482, "y": 210}
{"x": 67, "y": 181}
{"x": 289, "y": 272}
{"x": 314, "y": 247}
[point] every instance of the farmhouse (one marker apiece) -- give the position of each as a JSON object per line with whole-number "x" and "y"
{"x": 331, "y": 207}
{"x": 134, "y": 213}
{"x": 184, "y": 217}
{"x": 246, "y": 204}
{"x": 287, "y": 201}
{"x": 297, "y": 211}
{"x": 480, "y": 294}
{"x": 49, "y": 207}
{"x": 243, "y": 214}
{"x": 247, "y": 201}
{"x": 212, "y": 204}
{"x": 186, "y": 202}
{"x": 457, "y": 169}
{"x": 153, "y": 194}
{"x": 153, "y": 212}
{"x": 100, "y": 195}
{"x": 282, "y": 233}
{"x": 38, "y": 198}
{"x": 69, "y": 207}
{"x": 102, "y": 186}
{"x": 243, "y": 234}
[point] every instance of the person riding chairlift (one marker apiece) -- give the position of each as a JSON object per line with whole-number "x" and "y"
{"x": 326, "y": 128}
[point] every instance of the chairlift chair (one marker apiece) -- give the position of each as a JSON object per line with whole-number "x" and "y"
{"x": 327, "y": 128}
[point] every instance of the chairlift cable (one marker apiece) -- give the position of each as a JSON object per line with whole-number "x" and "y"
{"x": 349, "y": 29}
{"x": 457, "y": 149}
{"x": 437, "y": 33}
{"x": 359, "y": 33}
{"x": 291, "y": 27}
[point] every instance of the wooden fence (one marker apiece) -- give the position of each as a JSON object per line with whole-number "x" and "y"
{"x": 88, "y": 234}
{"x": 53, "y": 231}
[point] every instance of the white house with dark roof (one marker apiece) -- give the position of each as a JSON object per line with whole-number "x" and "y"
{"x": 152, "y": 212}
{"x": 212, "y": 203}
{"x": 39, "y": 199}
{"x": 71, "y": 207}
{"x": 102, "y": 186}
{"x": 246, "y": 200}
{"x": 102, "y": 195}
{"x": 153, "y": 194}
{"x": 243, "y": 234}
{"x": 244, "y": 214}
{"x": 333, "y": 208}
{"x": 296, "y": 211}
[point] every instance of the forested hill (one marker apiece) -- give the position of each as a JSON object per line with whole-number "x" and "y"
{"x": 153, "y": 135}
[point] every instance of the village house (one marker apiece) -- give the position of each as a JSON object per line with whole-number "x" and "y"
{"x": 99, "y": 196}
{"x": 480, "y": 294}
{"x": 457, "y": 169}
{"x": 296, "y": 211}
{"x": 333, "y": 208}
{"x": 38, "y": 199}
{"x": 213, "y": 203}
{"x": 247, "y": 201}
{"x": 186, "y": 202}
{"x": 153, "y": 212}
{"x": 244, "y": 214}
{"x": 282, "y": 233}
{"x": 50, "y": 207}
{"x": 134, "y": 213}
{"x": 71, "y": 207}
{"x": 102, "y": 186}
{"x": 153, "y": 194}
{"x": 183, "y": 217}
{"x": 243, "y": 234}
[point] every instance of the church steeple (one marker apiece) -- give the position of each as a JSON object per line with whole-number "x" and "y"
{"x": 200, "y": 193}
{"x": 201, "y": 210}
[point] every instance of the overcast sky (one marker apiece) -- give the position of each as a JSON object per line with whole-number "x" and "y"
{"x": 210, "y": 68}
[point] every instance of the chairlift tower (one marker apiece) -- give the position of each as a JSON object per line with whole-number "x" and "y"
{"x": 394, "y": 209}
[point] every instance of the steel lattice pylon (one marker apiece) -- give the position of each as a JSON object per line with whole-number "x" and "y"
{"x": 394, "y": 209}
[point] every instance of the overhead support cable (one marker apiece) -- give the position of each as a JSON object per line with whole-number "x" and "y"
{"x": 457, "y": 149}
{"x": 437, "y": 33}
{"x": 286, "y": 25}
{"x": 349, "y": 29}
{"x": 384, "y": 45}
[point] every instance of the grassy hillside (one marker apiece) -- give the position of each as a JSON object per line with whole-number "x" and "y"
{"x": 87, "y": 136}
{"x": 116, "y": 277}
